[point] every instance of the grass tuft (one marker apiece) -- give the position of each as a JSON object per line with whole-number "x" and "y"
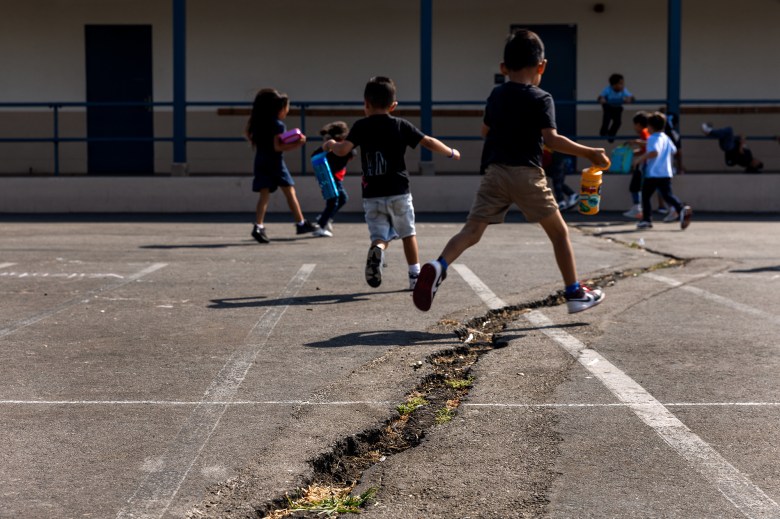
{"x": 460, "y": 383}
{"x": 412, "y": 404}
{"x": 325, "y": 500}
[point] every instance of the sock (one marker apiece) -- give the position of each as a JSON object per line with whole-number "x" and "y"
{"x": 414, "y": 269}
{"x": 259, "y": 226}
{"x": 301, "y": 222}
{"x": 573, "y": 288}
{"x": 444, "y": 263}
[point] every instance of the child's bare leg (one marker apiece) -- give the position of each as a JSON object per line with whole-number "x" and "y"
{"x": 262, "y": 206}
{"x": 292, "y": 202}
{"x": 380, "y": 243}
{"x": 558, "y": 233}
{"x": 468, "y": 236}
{"x": 410, "y": 250}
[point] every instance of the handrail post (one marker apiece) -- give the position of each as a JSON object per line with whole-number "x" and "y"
{"x": 303, "y": 130}
{"x": 426, "y": 81}
{"x": 179, "y": 166}
{"x": 673, "y": 60}
{"x": 56, "y": 140}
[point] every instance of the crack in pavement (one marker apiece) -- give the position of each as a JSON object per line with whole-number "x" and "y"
{"x": 344, "y": 464}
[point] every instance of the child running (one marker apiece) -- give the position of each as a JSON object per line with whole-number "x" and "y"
{"x": 263, "y": 130}
{"x": 337, "y": 131}
{"x": 519, "y": 118}
{"x": 387, "y": 200}
{"x": 658, "y": 174}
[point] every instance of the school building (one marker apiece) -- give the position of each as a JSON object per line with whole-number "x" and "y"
{"x": 140, "y": 105}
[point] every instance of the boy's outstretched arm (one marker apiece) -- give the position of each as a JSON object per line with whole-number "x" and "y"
{"x": 436, "y": 146}
{"x": 339, "y": 148}
{"x": 561, "y": 144}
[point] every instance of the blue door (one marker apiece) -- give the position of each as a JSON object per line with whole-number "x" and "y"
{"x": 119, "y": 69}
{"x": 560, "y": 78}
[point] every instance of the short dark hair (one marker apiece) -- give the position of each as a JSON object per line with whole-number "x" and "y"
{"x": 640, "y": 118}
{"x": 335, "y": 130}
{"x": 614, "y": 79}
{"x": 523, "y": 49}
{"x": 657, "y": 121}
{"x": 380, "y": 92}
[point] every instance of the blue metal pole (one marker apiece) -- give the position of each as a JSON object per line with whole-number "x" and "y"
{"x": 426, "y": 71}
{"x": 179, "y": 82}
{"x": 673, "y": 63}
{"x": 56, "y": 140}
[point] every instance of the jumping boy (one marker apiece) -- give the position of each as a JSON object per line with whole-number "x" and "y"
{"x": 519, "y": 118}
{"x": 387, "y": 200}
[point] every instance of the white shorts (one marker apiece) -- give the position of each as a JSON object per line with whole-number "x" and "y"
{"x": 389, "y": 217}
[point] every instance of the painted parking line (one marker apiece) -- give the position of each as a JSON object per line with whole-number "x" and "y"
{"x": 735, "y": 486}
{"x": 175, "y": 403}
{"x": 157, "y": 490}
{"x": 79, "y": 300}
{"x": 729, "y": 303}
{"x": 6, "y": 265}
{"x": 345, "y": 403}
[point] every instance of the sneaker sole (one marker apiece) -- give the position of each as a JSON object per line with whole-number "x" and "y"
{"x": 423, "y": 290}
{"x": 374, "y": 267}
{"x": 588, "y": 307}
{"x": 685, "y": 219}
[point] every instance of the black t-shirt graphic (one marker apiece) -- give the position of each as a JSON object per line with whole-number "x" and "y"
{"x": 383, "y": 140}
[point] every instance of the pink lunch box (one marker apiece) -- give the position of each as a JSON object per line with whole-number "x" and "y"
{"x": 291, "y": 136}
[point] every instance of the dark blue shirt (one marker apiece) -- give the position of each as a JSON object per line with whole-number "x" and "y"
{"x": 268, "y": 161}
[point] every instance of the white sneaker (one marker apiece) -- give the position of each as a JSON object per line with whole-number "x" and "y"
{"x": 634, "y": 212}
{"x": 671, "y": 216}
{"x": 323, "y": 232}
{"x": 585, "y": 298}
{"x": 413, "y": 280}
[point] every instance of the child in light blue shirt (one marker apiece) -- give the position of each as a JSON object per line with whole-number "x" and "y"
{"x": 658, "y": 175}
{"x": 612, "y": 99}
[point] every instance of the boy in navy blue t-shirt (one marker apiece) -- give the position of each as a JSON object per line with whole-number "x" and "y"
{"x": 519, "y": 119}
{"x": 387, "y": 200}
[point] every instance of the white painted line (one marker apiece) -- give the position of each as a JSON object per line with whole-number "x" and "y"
{"x": 378, "y": 403}
{"x": 490, "y": 299}
{"x": 174, "y": 403}
{"x": 623, "y": 404}
{"x": 734, "y": 305}
{"x": 83, "y": 298}
{"x": 735, "y": 486}
{"x": 5, "y": 265}
{"x": 156, "y": 492}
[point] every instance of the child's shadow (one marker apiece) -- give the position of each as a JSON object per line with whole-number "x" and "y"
{"x": 324, "y": 299}
{"x": 246, "y": 243}
{"x": 383, "y": 338}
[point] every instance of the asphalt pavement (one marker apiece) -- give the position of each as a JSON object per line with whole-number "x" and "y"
{"x": 170, "y": 366}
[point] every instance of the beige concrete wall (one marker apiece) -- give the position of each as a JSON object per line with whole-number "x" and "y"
{"x": 327, "y": 51}
{"x": 715, "y": 192}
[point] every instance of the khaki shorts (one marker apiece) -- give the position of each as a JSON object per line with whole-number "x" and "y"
{"x": 503, "y": 186}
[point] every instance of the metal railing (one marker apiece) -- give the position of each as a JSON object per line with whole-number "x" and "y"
{"x": 773, "y": 105}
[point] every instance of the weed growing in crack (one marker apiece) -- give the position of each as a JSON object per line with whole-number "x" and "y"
{"x": 460, "y": 383}
{"x": 325, "y": 500}
{"x": 411, "y": 405}
{"x": 444, "y": 415}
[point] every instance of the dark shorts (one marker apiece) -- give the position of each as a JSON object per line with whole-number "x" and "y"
{"x": 272, "y": 181}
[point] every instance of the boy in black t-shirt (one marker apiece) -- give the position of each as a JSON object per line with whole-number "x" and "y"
{"x": 387, "y": 201}
{"x": 519, "y": 119}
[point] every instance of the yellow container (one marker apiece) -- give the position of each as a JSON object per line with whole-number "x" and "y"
{"x": 590, "y": 190}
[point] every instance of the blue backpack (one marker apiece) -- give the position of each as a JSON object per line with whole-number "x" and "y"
{"x": 620, "y": 159}
{"x": 324, "y": 176}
